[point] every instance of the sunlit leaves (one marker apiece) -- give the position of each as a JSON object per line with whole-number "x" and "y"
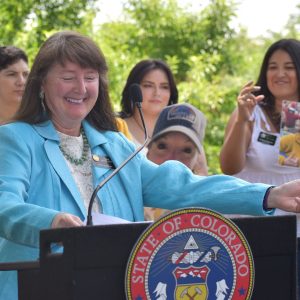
{"x": 26, "y": 23}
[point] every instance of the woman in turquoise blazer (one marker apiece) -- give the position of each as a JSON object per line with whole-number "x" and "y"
{"x": 66, "y": 99}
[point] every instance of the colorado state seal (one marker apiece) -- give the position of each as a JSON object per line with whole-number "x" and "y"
{"x": 190, "y": 254}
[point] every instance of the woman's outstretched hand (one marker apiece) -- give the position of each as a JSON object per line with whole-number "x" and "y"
{"x": 285, "y": 197}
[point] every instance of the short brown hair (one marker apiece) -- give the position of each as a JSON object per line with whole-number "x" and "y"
{"x": 10, "y": 55}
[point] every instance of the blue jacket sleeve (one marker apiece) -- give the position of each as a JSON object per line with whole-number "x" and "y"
{"x": 172, "y": 185}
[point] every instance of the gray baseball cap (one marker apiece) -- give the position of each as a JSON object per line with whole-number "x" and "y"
{"x": 184, "y": 118}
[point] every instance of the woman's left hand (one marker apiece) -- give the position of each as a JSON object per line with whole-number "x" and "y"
{"x": 285, "y": 197}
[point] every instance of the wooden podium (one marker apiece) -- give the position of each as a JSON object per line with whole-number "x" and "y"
{"x": 93, "y": 262}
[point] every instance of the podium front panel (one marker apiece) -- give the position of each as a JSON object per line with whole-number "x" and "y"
{"x": 94, "y": 259}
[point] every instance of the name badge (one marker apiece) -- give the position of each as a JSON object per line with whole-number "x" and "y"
{"x": 267, "y": 138}
{"x": 102, "y": 161}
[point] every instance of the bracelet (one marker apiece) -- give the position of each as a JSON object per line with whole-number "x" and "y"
{"x": 265, "y": 201}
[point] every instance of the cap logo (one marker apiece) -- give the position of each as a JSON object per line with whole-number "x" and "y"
{"x": 181, "y": 113}
{"x": 191, "y": 253}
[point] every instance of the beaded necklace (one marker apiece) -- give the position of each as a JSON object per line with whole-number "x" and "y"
{"x": 84, "y": 155}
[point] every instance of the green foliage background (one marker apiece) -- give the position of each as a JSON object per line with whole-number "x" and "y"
{"x": 211, "y": 60}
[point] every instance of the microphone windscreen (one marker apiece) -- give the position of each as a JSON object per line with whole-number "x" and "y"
{"x": 135, "y": 93}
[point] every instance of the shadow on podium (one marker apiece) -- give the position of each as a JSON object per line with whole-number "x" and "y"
{"x": 94, "y": 259}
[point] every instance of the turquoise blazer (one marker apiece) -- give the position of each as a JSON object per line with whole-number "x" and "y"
{"x": 36, "y": 184}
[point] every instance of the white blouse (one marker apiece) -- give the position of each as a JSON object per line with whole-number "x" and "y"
{"x": 262, "y": 161}
{"x": 82, "y": 174}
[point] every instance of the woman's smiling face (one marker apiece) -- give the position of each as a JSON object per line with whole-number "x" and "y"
{"x": 71, "y": 92}
{"x": 282, "y": 77}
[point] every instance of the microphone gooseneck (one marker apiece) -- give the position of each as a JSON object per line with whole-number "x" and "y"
{"x": 137, "y": 98}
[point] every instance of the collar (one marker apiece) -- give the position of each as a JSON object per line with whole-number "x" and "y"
{"x": 48, "y": 131}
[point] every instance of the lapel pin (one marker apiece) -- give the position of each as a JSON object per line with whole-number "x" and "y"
{"x": 96, "y": 158}
{"x": 103, "y": 161}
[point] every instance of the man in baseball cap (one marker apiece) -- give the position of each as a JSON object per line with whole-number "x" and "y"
{"x": 184, "y": 118}
{"x": 178, "y": 135}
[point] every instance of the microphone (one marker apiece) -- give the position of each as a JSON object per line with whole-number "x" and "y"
{"x": 136, "y": 97}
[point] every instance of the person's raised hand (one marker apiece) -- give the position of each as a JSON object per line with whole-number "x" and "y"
{"x": 247, "y": 100}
